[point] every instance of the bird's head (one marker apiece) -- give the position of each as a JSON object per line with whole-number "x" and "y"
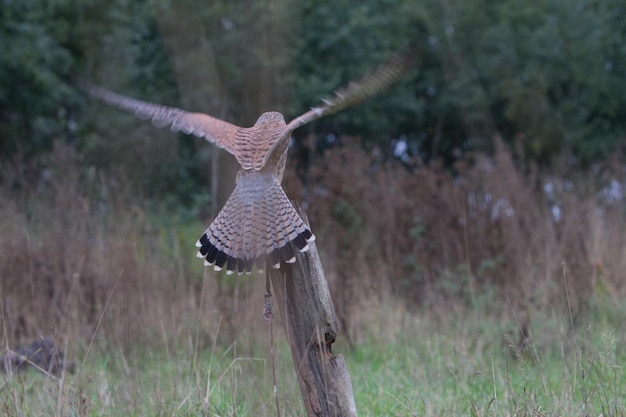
{"x": 271, "y": 119}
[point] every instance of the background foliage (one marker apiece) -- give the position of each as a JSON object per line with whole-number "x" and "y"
{"x": 548, "y": 74}
{"x": 509, "y": 109}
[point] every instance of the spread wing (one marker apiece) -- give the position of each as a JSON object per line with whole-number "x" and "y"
{"x": 234, "y": 139}
{"x": 356, "y": 92}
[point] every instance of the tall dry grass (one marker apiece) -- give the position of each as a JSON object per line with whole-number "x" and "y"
{"x": 82, "y": 255}
{"x": 492, "y": 232}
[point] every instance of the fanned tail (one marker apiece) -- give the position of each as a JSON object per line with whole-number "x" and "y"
{"x": 256, "y": 223}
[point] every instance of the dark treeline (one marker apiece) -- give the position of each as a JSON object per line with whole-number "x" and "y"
{"x": 548, "y": 76}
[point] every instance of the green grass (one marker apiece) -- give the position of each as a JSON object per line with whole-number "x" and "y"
{"x": 413, "y": 365}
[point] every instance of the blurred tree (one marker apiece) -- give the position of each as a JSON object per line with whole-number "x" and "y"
{"x": 547, "y": 72}
{"x": 555, "y": 74}
{"x": 36, "y": 104}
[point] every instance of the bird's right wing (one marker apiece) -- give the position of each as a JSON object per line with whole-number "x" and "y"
{"x": 221, "y": 133}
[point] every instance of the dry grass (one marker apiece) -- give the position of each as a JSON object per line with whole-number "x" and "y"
{"x": 73, "y": 237}
{"x": 81, "y": 256}
{"x": 427, "y": 235}
{"x": 83, "y": 260}
{"x": 408, "y": 365}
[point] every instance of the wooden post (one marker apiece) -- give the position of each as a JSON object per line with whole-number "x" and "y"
{"x": 303, "y": 299}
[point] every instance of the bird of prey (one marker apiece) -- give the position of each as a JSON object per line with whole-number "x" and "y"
{"x": 258, "y": 221}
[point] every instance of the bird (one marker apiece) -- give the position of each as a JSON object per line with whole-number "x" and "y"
{"x": 258, "y": 222}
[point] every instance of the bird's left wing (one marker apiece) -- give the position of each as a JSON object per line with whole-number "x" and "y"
{"x": 219, "y": 132}
{"x": 356, "y": 92}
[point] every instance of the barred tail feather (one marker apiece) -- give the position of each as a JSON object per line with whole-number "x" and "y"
{"x": 254, "y": 225}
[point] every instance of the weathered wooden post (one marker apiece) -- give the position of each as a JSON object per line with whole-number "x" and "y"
{"x": 303, "y": 299}
{"x": 301, "y": 290}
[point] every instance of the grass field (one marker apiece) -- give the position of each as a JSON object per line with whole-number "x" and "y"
{"x": 410, "y": 365}
{"x": 432, "y": 326}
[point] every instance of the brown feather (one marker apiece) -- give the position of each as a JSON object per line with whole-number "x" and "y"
{"x": 258, "y": 221}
